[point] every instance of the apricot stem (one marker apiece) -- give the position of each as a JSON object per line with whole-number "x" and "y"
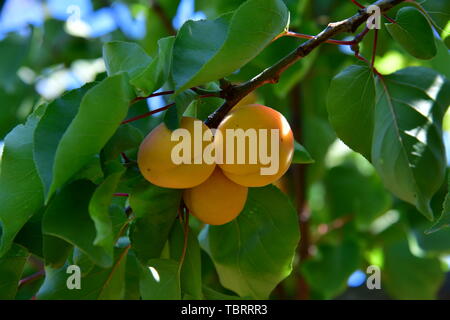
{"x": 148, "y": 113}
{"x": 121, "y": 194}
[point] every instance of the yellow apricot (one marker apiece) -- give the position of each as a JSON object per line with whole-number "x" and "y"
{"x": 253, "y": 169}
{"x": 217, "y": 200}
{"x": 156, "y": 163}
{"x": 251, "y": 98}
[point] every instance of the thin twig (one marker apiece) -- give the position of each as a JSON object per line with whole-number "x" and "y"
{"x": 148, "y": 113}
{"x": 31, "y": 278}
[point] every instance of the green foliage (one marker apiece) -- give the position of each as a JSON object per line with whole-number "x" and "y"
{"x": 160, "y": 281}
{"x": 227, "y": 43}
{"x": 344, "y": 257}
{"x": 21, "y": 193}
{"x": 407, "y": 276}
{"x": 155, "y": 209}
{"x": 255, "y": 251}
{"x": 408, "y": 151}
{"x": 352, "y": 96}
{"x": 11, "y": 267}
{"x": 413, "y": 32}
{"x": 71, "y": 192}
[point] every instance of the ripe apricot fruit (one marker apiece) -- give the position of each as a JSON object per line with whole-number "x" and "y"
{"x": 271, "y": 150}
{"x": 216, "y": 201}
{"x": 157, "y": 166}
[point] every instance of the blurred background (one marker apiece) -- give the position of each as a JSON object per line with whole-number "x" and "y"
{"x": 50, "y": 46}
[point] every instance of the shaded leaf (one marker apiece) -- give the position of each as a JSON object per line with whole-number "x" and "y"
{"x": 160, "y": 280}
{"x": 191, "y": 271}
{"x": 413, "y": 32}
{"x": 21, "y": 194}
{"x": 120, "y": 56}
{"x": 11, "y": 267}
{"x": 155, "y": 209}
{"x": 254, "y": 252}
{"x": 408, "y": 151}
{"x": 406, "y": 276}
{"x": 350, "y": 105}
{"x": 67, "y": 217}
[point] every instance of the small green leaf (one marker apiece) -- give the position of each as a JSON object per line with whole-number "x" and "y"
{"x": 191, "y": 271}
{"x": 102, "y": 109}
{"x": 408, "y": 151}
{"x": 157, "y": 72}
{"x": 350, "y": 105}
{"x": 99, "y": 207}
{"x": 11, "y": 267}
{"x": 254, "y": 252}
{"x": 413, "y": 32}
{"x": 301, "y": 155}
{"x": 155, "y": 209}
{"x": 123, "y": 56}
{"x": 67, "y": 217}
{"x": 21, "y": 194}
{"x": 444, "y": 219}
{"x": 160, "y": 280}
{"x": 99, "y": 283}
{"x": 327, "y": 272}
{"x": 208, "y": 50}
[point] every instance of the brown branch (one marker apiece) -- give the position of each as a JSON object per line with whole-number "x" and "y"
{"x": 165, "y": 20}
{"x": 234, "y": 93}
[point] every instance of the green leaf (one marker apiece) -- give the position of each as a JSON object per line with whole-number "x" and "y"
{"x": 254, "y": 252}
{"x": 350, "y": 192}
{"x": 132, "y": 278}
{"x": 30, "y": 236}
{"x": 301, "y": 155}
{"x": 120, "y": 56}
{"x": 406, "y": 276}
{"x": 350, "y": 105}
{"x": 207, "y": 50}
{"x": 211, "y": 294}
{"x": 157, "y": 72}
{"x": 11, "y": 267}
{"x": 408, "y": 151}
{"x": 99, "y": 207}
{"x": 99, "y": 283}
{"x": 191, "y": 271}
{"x": 155, "y": 209}
{"x": 328, "y": 271}
{"x": 173, "y": 115}
{"x": 21, "y": 194}
{"x": 413, "y": 32}
{"x": 67, "y": 217}
{"x": 55, "y": 250}
{"x": 160, "y": 280}
{"x": 126, "y": 137}
{"x": 102, "y": 109}
{"x": 50, "y": 130}
{"x": 444, "y": 219}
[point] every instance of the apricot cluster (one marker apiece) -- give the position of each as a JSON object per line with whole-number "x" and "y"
{"x": 216, "y": 191}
